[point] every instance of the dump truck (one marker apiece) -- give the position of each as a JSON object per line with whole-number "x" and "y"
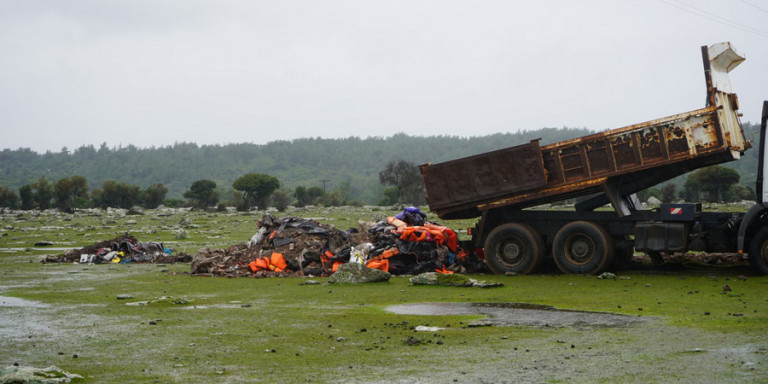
{"x": 511, "y": 190}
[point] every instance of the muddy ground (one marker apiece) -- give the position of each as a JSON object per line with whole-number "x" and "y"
{"x": 531, "y": 343}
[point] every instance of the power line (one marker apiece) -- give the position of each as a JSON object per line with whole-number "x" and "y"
{"x": 754, "y": 6}
{"x": 710, "y": 16}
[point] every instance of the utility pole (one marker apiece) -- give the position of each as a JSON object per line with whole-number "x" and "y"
{"x": 324, "y": 181}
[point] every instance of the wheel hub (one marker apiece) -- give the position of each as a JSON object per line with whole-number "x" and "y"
{"x": 580, "y": 250}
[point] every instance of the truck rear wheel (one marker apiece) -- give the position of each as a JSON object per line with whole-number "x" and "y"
{"x": 513, "y": 248}
{"x": 582, "y": 247}
{"x": 758, "y": 251}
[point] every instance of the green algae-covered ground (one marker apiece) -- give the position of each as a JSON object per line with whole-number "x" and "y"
{"x": 703, "y": 324}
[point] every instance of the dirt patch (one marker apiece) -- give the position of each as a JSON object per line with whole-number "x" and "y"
{"x": 519, "y": 314}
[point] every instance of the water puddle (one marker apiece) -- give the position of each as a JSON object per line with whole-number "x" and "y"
{"x": 519, "y": 314}
{"x": 6, "y": 301}
{"x": 216, "y": 306}
{"x": 19, "y": 249}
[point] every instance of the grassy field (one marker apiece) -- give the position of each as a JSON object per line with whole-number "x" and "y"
{"x": 281, "y": 330}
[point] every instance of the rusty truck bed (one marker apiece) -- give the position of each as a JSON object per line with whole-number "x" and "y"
{"x": 615, "y": 163}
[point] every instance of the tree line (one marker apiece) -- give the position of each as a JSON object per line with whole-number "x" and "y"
{"x": 249, "y": 191}
{"x": 308, "y": 171}
{"x": 349, "y": 165}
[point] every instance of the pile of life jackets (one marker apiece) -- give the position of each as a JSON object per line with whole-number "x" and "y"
{"x": 408, "y": 244}
{"x": 275, "y": 263}
{"x": 403, "y": 244}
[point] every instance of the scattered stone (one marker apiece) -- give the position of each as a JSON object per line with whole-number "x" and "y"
{"x": 354, "y": 273}
{"x": 32, "y": 375}
{"x": 310, "y": 282}
{"x": 726, "y": 288}
{"x": 171, "y": 300}
{"x": 124, "y": 296}
{"x": 607, "y": 275}
{"x": 452, "y": 280}
{"x": 424, "y": 328}
{"x": 480, "y": 323}
{"x": 653, "y": 201}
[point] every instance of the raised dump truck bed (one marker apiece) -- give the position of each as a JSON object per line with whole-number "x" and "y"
{"x": 607, "y": 167}
{"x": 614, "y": 163}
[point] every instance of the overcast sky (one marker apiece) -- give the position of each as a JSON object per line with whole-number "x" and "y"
{"x": 156, "y": 72}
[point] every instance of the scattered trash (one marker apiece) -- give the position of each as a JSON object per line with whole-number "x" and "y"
{"x": 122, "y": 249}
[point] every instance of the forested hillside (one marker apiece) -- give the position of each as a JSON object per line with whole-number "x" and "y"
{"x": 352, "y": 163}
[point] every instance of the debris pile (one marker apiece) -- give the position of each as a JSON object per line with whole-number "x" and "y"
{"x": 292, "y": 246}
{"x": 122, "y": 249}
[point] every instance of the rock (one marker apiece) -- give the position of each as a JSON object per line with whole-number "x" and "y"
{"x": 607, "y": 275}
{"x": 653, "y": 201}
{"x": 354, "y": 273}
{"x": 204, "y": 263}
{"x": 124, "y": 296}
{"x": 171, "y": 300}
{"x": 453, "y": 280}
{"x": 32, "y": 375}
{"x": 424, "y": 328}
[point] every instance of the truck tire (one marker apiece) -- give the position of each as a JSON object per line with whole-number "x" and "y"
{"x": 582, "y": 247}
{"x": 758, "y": 251}
{"x": 513, "y": 248}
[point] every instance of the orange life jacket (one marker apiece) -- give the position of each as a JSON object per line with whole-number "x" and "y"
{"x": 449, "y": 236}
{"x": 328, "y": 267}
{"x": 396, "y": 222}
{"x": 382, "y": 260}
{"x": 276, "y": 262}
{"x": 443, "y": 271}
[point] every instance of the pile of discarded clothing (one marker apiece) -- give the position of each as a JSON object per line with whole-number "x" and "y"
{"x": 122, "y": 249}
{"x": 292, "y": 246}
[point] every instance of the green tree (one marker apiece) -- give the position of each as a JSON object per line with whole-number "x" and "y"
{"x": 256, "y": 189}
{"x": 668, "y": 192}
{"x": 314, "y": 194}
{"x": 71, "y": 193}
{"x": 8, "y": 198}
{"x": 43, "y": 193}
{"x": 154, "y": 195}
{"x": 280, "y": 200}
{"x": 406, "y": 178}
{"x": 27, "y": 197}
{"x": 332, "y": 199}
{"x": 116, "y": 195}
{"x": 712, "y": 182}
{"x": 300, "y": 194}
{"x": 739, "y": 192}
{"x": 202, "y": 194}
